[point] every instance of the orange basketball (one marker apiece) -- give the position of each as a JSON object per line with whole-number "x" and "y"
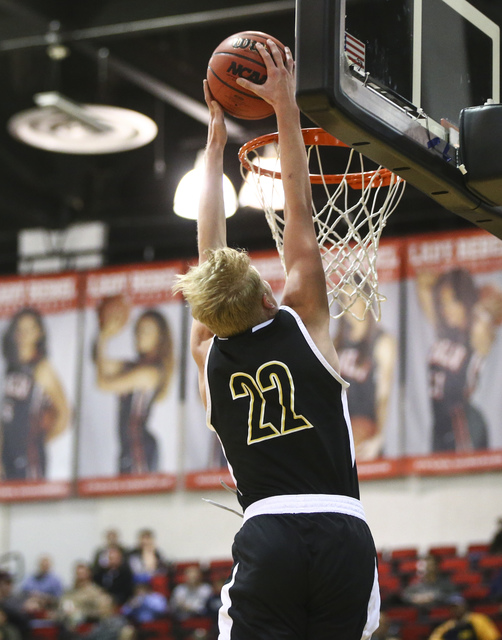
{"x": 238, "y": 57}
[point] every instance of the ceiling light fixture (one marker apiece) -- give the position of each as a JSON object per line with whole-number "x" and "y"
{"x": 61, "y": 125}
{"x": 186, "y": 198}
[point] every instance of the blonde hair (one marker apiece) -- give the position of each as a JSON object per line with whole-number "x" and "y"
{"x": 224, "y": 292}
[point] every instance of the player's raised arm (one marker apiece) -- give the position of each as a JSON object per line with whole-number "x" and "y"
{"x": 305, "y": 289}
{"x": 211, "y": 222}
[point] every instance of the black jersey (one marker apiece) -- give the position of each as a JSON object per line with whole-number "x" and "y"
{"x": 23, "y": 451}
{"x": 280, "y": 412}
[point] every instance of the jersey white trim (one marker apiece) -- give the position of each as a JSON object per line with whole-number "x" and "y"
{"x": 207, "y": 388}
{"x": 314, "y": 347}
{"x": 306, "y": 503}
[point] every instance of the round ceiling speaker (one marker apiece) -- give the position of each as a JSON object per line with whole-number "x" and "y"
{"x": 92, "y": 129}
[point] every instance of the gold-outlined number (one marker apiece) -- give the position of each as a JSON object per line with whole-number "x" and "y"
{"x": 273, "y": 383}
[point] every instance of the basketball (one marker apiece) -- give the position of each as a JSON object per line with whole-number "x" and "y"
{"x": 238, "y": 57}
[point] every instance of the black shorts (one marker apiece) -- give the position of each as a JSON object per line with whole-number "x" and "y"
{"x": 301, "y": 577}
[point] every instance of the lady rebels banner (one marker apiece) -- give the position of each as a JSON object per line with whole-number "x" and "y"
{"x": 368, "y": 352}
{"x": 204, "y": 462}
{"x": 453, "y": 353}
{"x": 129, "y": 418}
{"x": 38, "y": 382}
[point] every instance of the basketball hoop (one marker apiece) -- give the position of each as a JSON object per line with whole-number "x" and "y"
{"x": 348, "y": 226}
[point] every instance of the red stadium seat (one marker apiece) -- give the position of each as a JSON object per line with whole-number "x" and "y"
{"x": 488, "y": 609}
{"x": 490, "y": 562}
{"x": 193, "y": 624}
{"x": 476, "y": 592}
{"x": 415, "y": 632}
{"x": 466, "y": 578}
{"x": 402, "y": 614}
{"x": 439, "y": 614}
{"x": 407, "y": 567}
{"x": 454, "y": 564}
{"x": 160, "y": 583}
{"x": 389, "y": 583}
{"x": 385, "y": 568}
{"x": 444, "y": 551}
{"x": 409, "y": 552}
{"x": 478, "y": 548}
{"x": 160, "y": 629}
{"x": 45, "y": 633}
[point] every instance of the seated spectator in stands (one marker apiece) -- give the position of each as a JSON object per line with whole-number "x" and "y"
{"x": 496, "y": 542}
{"x": 112, "y": 539}
{"x": 7, "y": 630}
{"x": 429, "y": 588}
{"x": 117, "y": 578}
{"x": 146, "y": 559}
{"x": 495, "y": 594}
{"x": 464, "y": 625}
{"x": 189, "y": 598}
{"x": 146, "y": 604}
{"x": 13, "y": 606}
{"x": 83, "y": 602}
{"x": 385, "y": 629}
{"x": 111, "y": 625}
{"x": 43, "y": 588}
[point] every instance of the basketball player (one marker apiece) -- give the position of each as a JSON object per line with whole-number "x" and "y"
{"x": 34, "y": 408}
{"x": 139, "y": 384}
{"x": 304, "y": 559}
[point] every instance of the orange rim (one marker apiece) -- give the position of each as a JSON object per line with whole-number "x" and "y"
{"x": 379, "y": 178}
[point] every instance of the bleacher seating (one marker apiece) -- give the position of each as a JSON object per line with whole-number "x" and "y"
{"x": 471, "y": 572}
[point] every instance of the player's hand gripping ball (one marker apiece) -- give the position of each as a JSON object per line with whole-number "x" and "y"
{"x": 238, "y": 57}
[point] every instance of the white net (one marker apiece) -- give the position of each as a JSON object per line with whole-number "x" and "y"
{"x": 349, "y": 223}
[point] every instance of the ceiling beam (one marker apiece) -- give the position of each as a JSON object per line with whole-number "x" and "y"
{"x": 193, "y": 108}
{"x": 141, "y": 27}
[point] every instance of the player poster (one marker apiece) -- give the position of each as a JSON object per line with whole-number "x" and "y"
{"x": 129, "y": 418}
{"x": 39, "y": 327}
{"x": 453, "y": 351}
{"x": 204, "y": 462}
{"x": 368, "y": 351}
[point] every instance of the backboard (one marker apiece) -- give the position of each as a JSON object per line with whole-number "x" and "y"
{"x": 391, "y": 78}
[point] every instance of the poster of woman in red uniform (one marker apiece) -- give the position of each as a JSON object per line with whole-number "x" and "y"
{"x": 35, "y": 408}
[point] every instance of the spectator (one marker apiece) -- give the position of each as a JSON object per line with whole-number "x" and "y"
{"x": 43, "y": 588}
{"x": 112, "y": 539}
{"x": 189, "y": 598}
{"x": 7, "y": 630}
{"x": 13, "y": 606}
{"x": 146, "y": 559}
{"x": 464, "y": 625}
{"x": 496, "y": 542}
{"x": 385, "y": 629}
{"x": 83, "y": 602}
{"x": 429, "y": 588}
{"x": 496, "y": 588}
{"x": 117, "y": 578}
{"x": 214, "y": 603}
{"x": 146, "y": 604}
{"x": 110, "y": 625}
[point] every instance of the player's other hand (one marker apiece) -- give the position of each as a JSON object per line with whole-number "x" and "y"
{"x": 217, "y": 133}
